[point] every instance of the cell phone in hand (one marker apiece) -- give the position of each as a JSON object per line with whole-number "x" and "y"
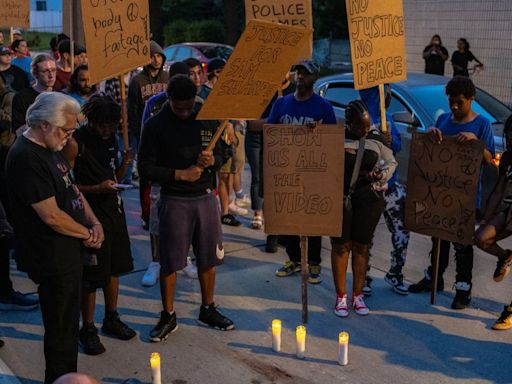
{"x": 123, "y": 187}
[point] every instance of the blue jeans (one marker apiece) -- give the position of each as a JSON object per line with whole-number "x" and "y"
{"x": 133, "y": 143}
{"x": 253, "y": 146}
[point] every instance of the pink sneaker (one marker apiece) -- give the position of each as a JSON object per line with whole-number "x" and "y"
{"x": 359, "y": 306}
{"x": 341, "y": 306}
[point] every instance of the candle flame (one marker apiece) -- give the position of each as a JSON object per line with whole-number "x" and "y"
{"x": 343, "y": 337}
{"x": 276, "y": 323}
{"x": 300, "y": 330}
{"x": 154, "y": 360}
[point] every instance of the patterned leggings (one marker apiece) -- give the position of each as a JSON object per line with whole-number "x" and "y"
{"x": 394, "y": 216}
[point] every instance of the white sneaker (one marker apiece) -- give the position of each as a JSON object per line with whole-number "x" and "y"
{"x": 190, "y": 270}
{"x": 245, "y": 201}
{"x": 236, "y": 210}
{"x": 152, "y": 273}
{"x": 341, "y": 306}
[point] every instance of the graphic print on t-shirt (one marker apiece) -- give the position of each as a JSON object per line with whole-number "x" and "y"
{"x": 296, "y": 120}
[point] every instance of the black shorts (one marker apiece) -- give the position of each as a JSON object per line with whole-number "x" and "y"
{"x": 359, "y": 224}
{"x": 112, "y": 259}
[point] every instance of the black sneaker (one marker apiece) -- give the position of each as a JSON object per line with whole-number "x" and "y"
{"x": 209, "y": 316}
{"x": 502, "y": 267}
{"x": 1, "y": 343}
{"x": 166, "y": 325}
{"x": 425, "y": 284}
{"x": 271, "y": 245}
{"x": 16, "y": 301}
{"x": 113, "y": 326}
{"x": 367, "y": 289}
{"x": 90, "y": 341}
{"x": 462, "y": 295}
{"x": 230, "y": 220}
{"x": 397, "y": 282}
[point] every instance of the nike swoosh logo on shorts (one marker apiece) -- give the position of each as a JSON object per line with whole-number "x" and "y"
{"x": 220, "y": 252}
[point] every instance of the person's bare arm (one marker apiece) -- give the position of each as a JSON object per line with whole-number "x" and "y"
{"x": 97, "y": 229}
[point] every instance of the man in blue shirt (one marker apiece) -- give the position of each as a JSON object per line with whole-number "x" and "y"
{"x": 465, "y": 125}
{"x": 303, "y": 107}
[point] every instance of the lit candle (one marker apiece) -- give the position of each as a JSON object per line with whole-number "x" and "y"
{"x": 154, "y": 360}
{"x": 300, "y": 333}
{"x": 343, "y": 348}
{"x": 276, "y": 335}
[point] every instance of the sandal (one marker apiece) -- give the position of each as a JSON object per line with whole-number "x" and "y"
{"x": 257, "y": 222}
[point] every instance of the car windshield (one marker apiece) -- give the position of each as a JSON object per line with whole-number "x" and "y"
{"x": 216, "y": 51}
{"x": 433, "y": 98}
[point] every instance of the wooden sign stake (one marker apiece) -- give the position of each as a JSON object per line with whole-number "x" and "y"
{"x": 124, "y": 113}
{"x": 435, "y": 269}
{"x": 383, "y": 124}
{"x": 217, "y": 135}
{"x": 304, "y": 276}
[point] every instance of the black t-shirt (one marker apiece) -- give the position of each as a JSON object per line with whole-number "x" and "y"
{"x": 96, "y": 162}
{"x": 35, "y": 174}
{"x": 434, "y": 63}
{"x": 20, "y": 103}
{"x": 16, "y": 78}
{"x": 462, "y": 60}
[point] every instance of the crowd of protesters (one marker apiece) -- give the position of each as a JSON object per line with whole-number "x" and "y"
{"x": 63, "y": 166}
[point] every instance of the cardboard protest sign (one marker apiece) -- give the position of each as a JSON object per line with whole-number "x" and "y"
{"x": 303, "y": 180}
{"x": 116, "y": 36}
{"x": 257, "y": 66}
{"x": 298, "y": 13}
{"x": 14, "y": 13}
{"x": 377, "y": 41}
{"x": 441, "y": 188}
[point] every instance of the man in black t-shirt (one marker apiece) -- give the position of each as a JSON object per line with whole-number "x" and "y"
{"x": 44, "y": 71}
{"x": 93, "y": 154}
{"x": 52, "y": 220}
{"x": 435, "y": 56}
{"x": 15, "y": 77}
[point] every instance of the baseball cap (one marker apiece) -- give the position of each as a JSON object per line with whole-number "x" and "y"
{"x": 214, "y": 64}
{"x": 309, "y": 66}
{"x": 4, "y": 51}
{"x": 16, "y": 32}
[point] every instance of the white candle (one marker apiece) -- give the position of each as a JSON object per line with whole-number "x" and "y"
{"x": 276, "y": 335}
{"x": 343, "y": 348}
{"x": 154, "y": 361}
{"x": 300, "y": 333}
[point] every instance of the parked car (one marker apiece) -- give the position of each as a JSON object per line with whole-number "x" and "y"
{"x": 415, "y": 106}
{"x": 203, "y": 52}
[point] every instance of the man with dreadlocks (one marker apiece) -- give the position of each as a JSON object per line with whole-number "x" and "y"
{"x": 93, "y": 153}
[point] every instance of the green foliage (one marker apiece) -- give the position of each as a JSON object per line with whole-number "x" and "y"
{"x": 36, "y": 41}
{"x": 203, "y": 30}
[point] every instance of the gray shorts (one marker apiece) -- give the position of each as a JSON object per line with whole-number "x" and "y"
{"x": 154, "y": 196}
{"x": 185, "y": 221}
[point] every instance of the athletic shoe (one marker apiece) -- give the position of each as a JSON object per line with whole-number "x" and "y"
{"x": 231, "y": 220}
{"x": 209, "y": 316}
{"x": 462, "y": 295}
{"x": 113, "y": 326}
{"x": 271, "y": 245}
{"x": 503, "y": 267}
{"x": 190, "y": 270}
{"x": 341, "y": 306}
{"x": 314, "y": 276}
{"x": 152, "y": 273}
{"x": 425, "y": 285}
{"x": 257, "y": 222}
{"x": 16, "y": 301}
{"x": 505, "y": 319}
{"x": 236, "y": 210}
{"x": 367, "y": 289}
{"x": 359, "y": 305}
{"x": 243, "y": 202}
{"x": 166, "y": 325}
{"x": 397, "y": 282}
{"x": 289, "y": 268}
{"x": 90, "y": 341}
{"x": 1, "y": 343}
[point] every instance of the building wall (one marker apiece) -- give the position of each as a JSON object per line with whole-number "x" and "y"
{"x": 486, "y": 24}
{"x": 51, "y": 5}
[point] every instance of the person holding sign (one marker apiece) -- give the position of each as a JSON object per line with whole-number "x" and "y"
{"x": 465, "y": 125}
{"x": 172, "y": 155}
{"x": 369, "y": 164}
{"x": 303, "y": 107}
{"x": 497, "y": 224}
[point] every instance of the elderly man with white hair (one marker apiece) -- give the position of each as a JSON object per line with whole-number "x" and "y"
{"x": 52, "y": 220}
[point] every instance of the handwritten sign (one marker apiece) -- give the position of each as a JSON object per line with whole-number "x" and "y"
{"x": 116, "y": 36}
{"x": 257, "y": 66}
{"x": 377, "y": 41}
{"x": 298, "y": 13}
{"x": 441, "y": 188}
{"x": 303, "y": 180}
{"x": 14, "y": 13}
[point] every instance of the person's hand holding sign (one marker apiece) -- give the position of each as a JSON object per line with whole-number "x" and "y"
{"x": 465, "y": 136}
{"x": 205, "y": 159}
{"x": 435, "y": 135}
{"x": 190, "y": 174}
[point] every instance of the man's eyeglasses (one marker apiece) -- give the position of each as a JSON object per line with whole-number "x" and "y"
{"x": 67, "y": 132}
{"x": 48, "y": 71}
